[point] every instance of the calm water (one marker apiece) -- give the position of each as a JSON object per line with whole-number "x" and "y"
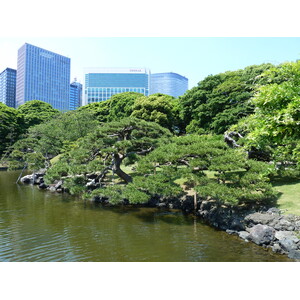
{"x": 40, "y": 226}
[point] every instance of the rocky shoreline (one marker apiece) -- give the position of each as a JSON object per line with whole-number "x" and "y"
{"x": 266, "y": 227}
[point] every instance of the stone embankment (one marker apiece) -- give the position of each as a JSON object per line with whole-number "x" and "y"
{"x": 266, "y": 227}
{"x": 38, "y": 179}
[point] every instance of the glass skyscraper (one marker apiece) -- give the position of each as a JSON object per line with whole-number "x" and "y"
{"x": 170, "y": 83}
{"x": 75, "y": 95}
{"x": 43, "y": 75}
{"x": 8, "y": 87}
{"x": 102, "y": 83}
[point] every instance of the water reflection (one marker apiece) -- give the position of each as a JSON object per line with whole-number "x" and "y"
{"x": 39, "y": 226}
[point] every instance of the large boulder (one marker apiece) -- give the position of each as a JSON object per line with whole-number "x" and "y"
{"x": 287, "y": 240}
{"x": 294, "y": 254}
{"x": 261, "y": 234}
{"x": 284, "y": 225}
{"x": 288, "y": 245}
{"x": 28, "y": 179}
{"x": 280, "y": 235}
{"x": 260, "y": 218}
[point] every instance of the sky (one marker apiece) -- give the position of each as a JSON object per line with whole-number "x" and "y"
{"x": 192, "y": 57}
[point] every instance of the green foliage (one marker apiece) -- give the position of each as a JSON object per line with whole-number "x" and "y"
{"x": 159, "y": 108}
{"x": 35, "y": 112}
{"x": 99, "y": 109}
{"x": 161, "y": 184}
{"x": 61, "y": 170}
{"x": 58, "y": 133}
{"x": 15, "y": 122}
{"x": 103, "y": 151}
{"x": 51, "y": 138}
{"x": 237, "y": 180}
{"x": 140, "y": 190}
{"x": 113, "y": 192}
{"x": 119, "y": 106}
{"x": 219, "y": 101}
{"x": 23, "y": 153}
{"x": 122, "y": 105}
{"x": 9, "y": 126}
{"x": 274, "y": 127}
{"x": 75, "y": 184}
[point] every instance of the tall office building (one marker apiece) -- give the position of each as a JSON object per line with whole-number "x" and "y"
{"x": 43, "y": 75}
{"x": 8, "y": 87}
{"x": 170, "y": 83}
{"x": 75, "y": 95}
{"x": 102, "y": 83}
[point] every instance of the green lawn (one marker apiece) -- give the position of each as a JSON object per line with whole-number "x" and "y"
{"x": 289, "y": 197}
{"x": 3, "y": 165}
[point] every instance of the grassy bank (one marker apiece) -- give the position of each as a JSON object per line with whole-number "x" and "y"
{"x": 289, "y": 195}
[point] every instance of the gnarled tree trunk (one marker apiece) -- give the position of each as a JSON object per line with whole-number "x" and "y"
{"x": 117, "y": 168}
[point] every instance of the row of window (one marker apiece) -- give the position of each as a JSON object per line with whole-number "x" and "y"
{"x": 115, "y": 90}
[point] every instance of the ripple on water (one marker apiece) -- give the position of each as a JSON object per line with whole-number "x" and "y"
{"x": 39, "y": 226}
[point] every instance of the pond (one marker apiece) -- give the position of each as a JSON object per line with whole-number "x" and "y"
{"x": 38, "y": 225}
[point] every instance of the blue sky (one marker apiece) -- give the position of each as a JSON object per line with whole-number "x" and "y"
{"x": 192, "y": 57}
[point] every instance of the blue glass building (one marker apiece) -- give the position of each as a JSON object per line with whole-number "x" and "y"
{"x": 170, "y": 83}
{"x": 8, "y": 87}
{"x": 102, "y": 83}
{"x": 43, "y": 75}
{"x": 75, "y": 95}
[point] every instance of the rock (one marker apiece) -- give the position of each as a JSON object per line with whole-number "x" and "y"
{"x": 52, "y": 189}
{"x": 27, "y": 179}
{"x": 58, "y": 185}
{"x": 153, "y": 201}
{"x": 43, "y": 186}
{"x": 262, "y": 234}
{"x": 99, "y": 199}
{"x": 91, "y": 176}
{"x": 38, "y": 176}
{"x": 280, "y": 235}
{"x": 292, "y": 218}
{"x": 294, "y": 254}
{"x": 38, "y": 180}
{"x": 237, "y": 224}
{"x": 297, "y": 225}
{"x": 231, "y": 231}
{"x": 260, "y": 218}
{"x": 244, "y": 235}
{"x": 41, "y": 172}
{"x": 276, "y": 248}
{"x": 188, "y": 205}
{"x": 284, "y": 225}
{"x": 287, "y": 245}
{"x": 205, "y": 205}
{"x": 273, "y": 210}
{"x": 92, "y": 184}
{"x": 248, "y": 229}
